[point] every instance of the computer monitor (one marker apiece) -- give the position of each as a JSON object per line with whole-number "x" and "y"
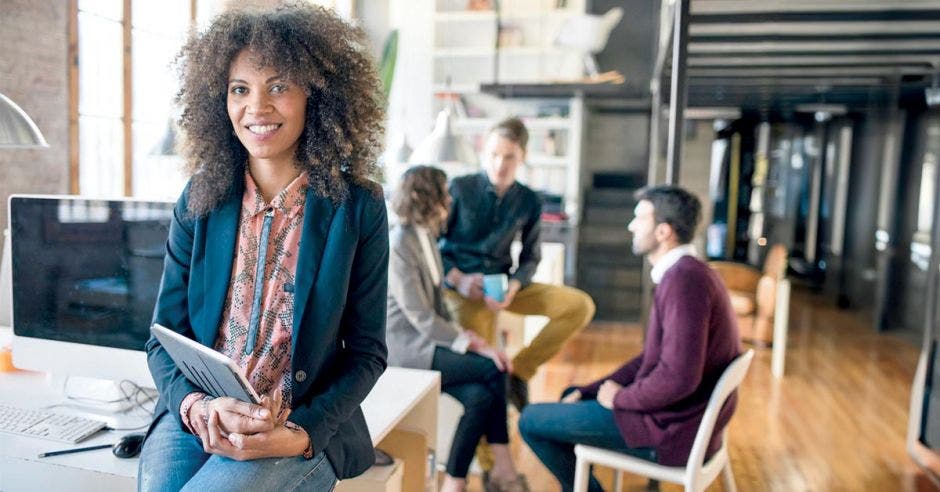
{"x": 85, "y": 276}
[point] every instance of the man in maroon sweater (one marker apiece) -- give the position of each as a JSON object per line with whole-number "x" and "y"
{"x": 651, "y": 406}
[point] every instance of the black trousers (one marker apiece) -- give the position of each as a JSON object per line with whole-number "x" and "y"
{"x": 480, "y": 387}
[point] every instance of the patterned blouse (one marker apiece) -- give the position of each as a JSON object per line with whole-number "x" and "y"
{"x": 258, "y": 317}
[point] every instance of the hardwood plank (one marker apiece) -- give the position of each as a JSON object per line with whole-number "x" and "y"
{"x": 837, "y": 421}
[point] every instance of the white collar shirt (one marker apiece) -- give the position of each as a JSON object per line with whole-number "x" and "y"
{"x": 669, "y": 259}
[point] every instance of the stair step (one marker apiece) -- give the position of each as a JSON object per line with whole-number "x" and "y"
{"x": 609, "y": 197}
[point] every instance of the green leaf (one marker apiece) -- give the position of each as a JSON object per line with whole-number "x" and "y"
{"x": 387, "y": 64}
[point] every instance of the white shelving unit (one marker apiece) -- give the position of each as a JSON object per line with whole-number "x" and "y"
{"x": 464, "y": 54}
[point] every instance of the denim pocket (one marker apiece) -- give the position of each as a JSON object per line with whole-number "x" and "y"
{"x": 321, "y": 476}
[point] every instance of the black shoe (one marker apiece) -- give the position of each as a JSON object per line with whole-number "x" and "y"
{"x": 518, "y": 392}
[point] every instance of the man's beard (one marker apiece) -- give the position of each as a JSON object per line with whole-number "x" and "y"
{"x": 642, "y": 249}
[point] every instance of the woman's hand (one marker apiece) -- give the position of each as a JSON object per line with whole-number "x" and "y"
{"x": 480, "y": 346}
{"x": 499, "y": 357}
{"x": 279, "y": 442}
{"x": 235, "y": 416}
{"x": 476, "y": 341}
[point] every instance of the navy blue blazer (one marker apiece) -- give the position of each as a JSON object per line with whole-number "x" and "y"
{"x": 339, "y": 312}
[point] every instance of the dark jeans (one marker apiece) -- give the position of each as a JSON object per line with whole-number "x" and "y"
{"x": 481, "y": 388}
{"x": 552, "y": 429}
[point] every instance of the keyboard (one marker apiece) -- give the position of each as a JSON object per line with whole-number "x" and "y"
{"x": 47, "y": 425}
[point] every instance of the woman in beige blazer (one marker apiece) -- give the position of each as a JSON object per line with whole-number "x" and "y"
{"x": 421, "y": 333}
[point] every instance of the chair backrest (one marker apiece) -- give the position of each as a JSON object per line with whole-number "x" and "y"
{"x": 775, "y": 264}
{"x": 729, "y": 381}
{"x": 737, "y": 276}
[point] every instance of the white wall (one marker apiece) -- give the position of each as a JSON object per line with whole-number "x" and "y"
{"x": 34, "y": 74}
{"x": 409, "y": 108}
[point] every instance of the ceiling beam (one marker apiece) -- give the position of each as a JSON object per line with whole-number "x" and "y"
{"x": 833, "y": 28}
{"x": 883, "y": 71}
{"x": 718, "y": 94}
{"x": 712, "y": 113}
{"x": 789, "y": 82}
{"x": 810, "y": 60}
{"x": 907, "y": 45}
{"x": 721, "y": 7}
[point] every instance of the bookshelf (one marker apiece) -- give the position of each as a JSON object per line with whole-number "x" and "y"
{"x": 475, "y": 47}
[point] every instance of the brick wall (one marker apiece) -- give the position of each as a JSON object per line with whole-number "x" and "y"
{"x": 34, "y": 73}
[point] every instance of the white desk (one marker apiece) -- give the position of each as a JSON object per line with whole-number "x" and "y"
{"x": 403, "y": 401}
{"x": 401, "y": 412}
{"x": 20, "y": 469}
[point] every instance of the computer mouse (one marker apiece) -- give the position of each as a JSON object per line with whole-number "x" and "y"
{"x": 129, "y": 446}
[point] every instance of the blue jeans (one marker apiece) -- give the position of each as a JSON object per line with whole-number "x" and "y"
{"x": 552, "y": 429}
{"x": 173, "y": 459}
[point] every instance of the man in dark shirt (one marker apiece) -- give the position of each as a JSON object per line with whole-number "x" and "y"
{"x": 489, "y": 210}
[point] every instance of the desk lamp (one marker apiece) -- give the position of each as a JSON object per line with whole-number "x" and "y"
{"x": 17, "y": 130}
{"x": 443, "y": 147}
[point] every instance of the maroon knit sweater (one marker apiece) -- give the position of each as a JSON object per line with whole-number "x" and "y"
{"x": 691, "y": 338}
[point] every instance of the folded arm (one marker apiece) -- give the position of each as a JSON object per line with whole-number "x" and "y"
{"x": 624, "y": 375}
{"x": 678, "y": 372}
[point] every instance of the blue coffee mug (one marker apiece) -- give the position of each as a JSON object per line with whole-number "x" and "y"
{"x": 495, "y": 286}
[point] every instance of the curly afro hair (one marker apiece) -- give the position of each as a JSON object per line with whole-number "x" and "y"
{"x": 309, "y": 46}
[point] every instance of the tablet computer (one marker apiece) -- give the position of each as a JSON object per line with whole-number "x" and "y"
{"x": 214, "y": 373}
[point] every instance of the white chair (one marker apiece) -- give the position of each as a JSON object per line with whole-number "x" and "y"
{"x": 695, "y": 475}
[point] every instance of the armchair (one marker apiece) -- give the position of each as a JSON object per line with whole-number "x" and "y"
{"x": 754, "y": 293}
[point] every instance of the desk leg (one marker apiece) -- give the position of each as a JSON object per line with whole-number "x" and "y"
{"x": 412, "y": 437}
{"x": 423, "y": 417}
{"x": 412, "y": 448}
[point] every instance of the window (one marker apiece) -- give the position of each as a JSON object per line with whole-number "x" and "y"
{"x": 100, "y": 97}
{"x": 125, "y": 96}
{"x": 158, "y": 31}
{"x": 122, "y": 90}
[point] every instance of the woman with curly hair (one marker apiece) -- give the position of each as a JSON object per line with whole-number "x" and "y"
{"x": 422, "y": 335}
{"x": 277, "y": 256}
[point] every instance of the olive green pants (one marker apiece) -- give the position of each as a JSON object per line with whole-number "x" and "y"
{"x": 569, "y": 310}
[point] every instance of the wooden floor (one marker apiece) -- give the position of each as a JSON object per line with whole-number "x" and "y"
{"x": 837, "y": 421}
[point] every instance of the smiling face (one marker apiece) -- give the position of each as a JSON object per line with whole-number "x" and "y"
{"x": 267, "y": 111}
{"x": 501, "y": 160}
